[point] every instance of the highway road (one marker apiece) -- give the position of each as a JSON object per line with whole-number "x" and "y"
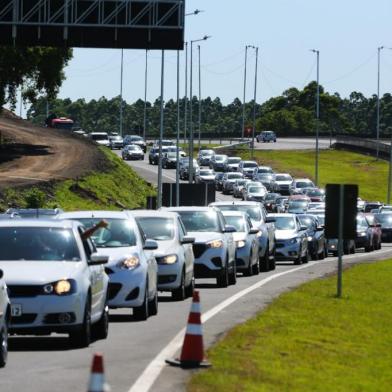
{"x": 135, "y": 351}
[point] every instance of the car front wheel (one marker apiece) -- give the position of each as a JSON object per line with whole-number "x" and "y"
{"x": 81, "y": 337}
{"x": 178, "y": 294}
{"x": 140, "y": 313}
{"x": 101, "y": 328}
{"x": 3, "y": 346}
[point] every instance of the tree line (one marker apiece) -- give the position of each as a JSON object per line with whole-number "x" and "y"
{"x": 290, "y": 114}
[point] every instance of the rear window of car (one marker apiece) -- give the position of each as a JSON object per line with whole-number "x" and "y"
{"x": 200, "y": 221}
{"x": 38, "y": 244}
{"x": 159, "y": 229}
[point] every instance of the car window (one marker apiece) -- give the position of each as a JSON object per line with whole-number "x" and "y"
{"x": 157, "y": 228}
{"x": 38, "y": 243}
{"x": 200, "y": 221}
{"x": 237, "y": 221}
{"x": 285, "y": 223}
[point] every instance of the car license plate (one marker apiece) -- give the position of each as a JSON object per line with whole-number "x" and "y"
{"x": 16, "y": 310}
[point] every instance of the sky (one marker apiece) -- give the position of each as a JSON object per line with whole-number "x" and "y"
{"x": 346, "y": 32}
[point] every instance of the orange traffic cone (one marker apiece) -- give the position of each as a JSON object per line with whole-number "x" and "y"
{"x": 97, "y": 378}
{"x": 192, "y": 354}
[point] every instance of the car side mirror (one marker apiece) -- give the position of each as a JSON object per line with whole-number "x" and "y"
{"x": 229, "y": 229}
{"x": 378, "y": 225}
{"x": 1, "y": 273}
{"x": 97, "y": 259}
{"x": 320, "y": 228}
{"x": 270, "y": 220}
{"x": 150, "y": 245}
{"x": 253, "y": 231}
{"x": 187, "y": 240}
{"x": 303, "y": 228}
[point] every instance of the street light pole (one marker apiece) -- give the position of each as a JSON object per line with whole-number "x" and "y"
{"x": 178, "y": 133}
{"x": 186, "y": 91}
{"x": 378, "y": 100}
{"x": 145, "y": 97}
{"x": 159, "y": 201}
{"x": 317, "y": 117}
{"x": 190, "y": 167}
{"x": 244, "y": 96}
{"x": 254, "y": 103}
{"x": 198, "y": 48}
{"x": 390, "y": 172}
{"x": 121, "y": 92}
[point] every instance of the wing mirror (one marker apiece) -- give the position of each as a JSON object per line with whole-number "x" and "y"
{"x": 97, "y": 259}
{"x": 1, "y": 273}
{"x": 229, "y": 229}
{"x": 150, "y": 245}
{"x": 270, "y": 220}
{"x": 187, "y": 240}
{"x": 303, "y": 228}
{"x": 253, "y": 231}
{"x": 320, "y": 228}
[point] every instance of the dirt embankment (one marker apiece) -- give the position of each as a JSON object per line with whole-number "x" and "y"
{"x": 34, "y": 154}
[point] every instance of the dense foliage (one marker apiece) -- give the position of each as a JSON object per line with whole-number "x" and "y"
{"x": 292, "y": 113}
{"x": 37, "y": 70}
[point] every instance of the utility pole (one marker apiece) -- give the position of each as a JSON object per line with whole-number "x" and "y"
{"x": 145, "y": 97}
{"x": 198, "y": 48}
{"x": 178, "y": 133}
{"x": 244, "y": 96}
{"x": 378, "y": 101}
{"x": 121, "y": 92}
{"x": 317, "y": 117}
{"x": 159, "y": 201}
{"x": 254, "y": 103}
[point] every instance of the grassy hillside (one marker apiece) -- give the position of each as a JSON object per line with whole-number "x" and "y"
{"x": 117, "y": 186}
{"x": 334, "y": 167}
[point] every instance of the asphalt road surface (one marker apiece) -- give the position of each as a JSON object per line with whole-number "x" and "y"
{"x": 134, "y": 352}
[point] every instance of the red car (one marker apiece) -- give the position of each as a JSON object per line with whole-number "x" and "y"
{"x": 376, "y": 228}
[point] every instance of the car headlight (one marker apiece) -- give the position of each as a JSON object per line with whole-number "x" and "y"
{"x": 362, "y": 234}
{"x": 310, "y": 238}
{"x": 293, "y": 240}
{"x": 129, "y": 263}
{"x": 170, "y": 259}
{"x": 61, "y": 287}
{"x": 241, "y": 244}
{"x": 215, "y": 244}
{"x": 259, "y": 233}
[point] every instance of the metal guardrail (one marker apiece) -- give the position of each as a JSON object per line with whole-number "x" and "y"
{"x": 363, "y": 144}
{"x": 230, "y": 147}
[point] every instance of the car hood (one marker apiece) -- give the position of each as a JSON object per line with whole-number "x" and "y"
{"x": 233, "y": 165}
{"x": 102, "y": 142}
{"x": 257, "y": 194}
{"x": 239, "y": 236}
{"x": 39, "y": 272}
{"x": 165, "y": 248}
{"x": 116, "y": 254}
{"x": 283, "y": 182}
{"x": 205, "y": 236}
{"x": 209, "y": 178}
{"x": 285, "y": 234}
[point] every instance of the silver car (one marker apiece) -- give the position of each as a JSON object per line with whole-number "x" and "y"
{"x": 232, "y": 164}
{"x": 5, "y": 318}
{"x": 214, "y": 246}
{"x": 238, "y": 187}
{"x": 205, "y": 176}
{"x": 246, "y": 239}
{"x": 228, "y": 181}
{"x": 260, "y": 220}
{"x": 204, "y": 157}
{"x": 284, "y": 183}
{"x": 56, "y": 279}
{"x": 174, "y": 255}
{"x": 291, "y": 239}
{"x": 247, "y": 168}
{"x": 132, "y": 269}
{"x": 255, "y": 193}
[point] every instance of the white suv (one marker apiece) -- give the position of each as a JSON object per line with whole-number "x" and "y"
{"x": 5, "y": 317}
{"x": 55, "y": 278}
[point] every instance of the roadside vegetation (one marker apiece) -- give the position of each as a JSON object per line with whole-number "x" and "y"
{"x": 117, "y": 186}
{"x": 334, "y": 167}
{"x": 308, "y": 340}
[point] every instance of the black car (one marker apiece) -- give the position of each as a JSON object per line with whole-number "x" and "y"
{"x": 270, "y": 201}
{"x": 385, "y": 220}
{"x": 316, "y": 238}
{"x": 153, "y": 156}
{"x": 169, "y": 160}
{"x": 219, "y": 181}
{"x": 372, "y": 205}
{"x": 364, "y": 238}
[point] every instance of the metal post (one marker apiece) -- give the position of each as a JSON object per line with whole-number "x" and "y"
{"x": 254, "y": 103}
{"x": 159, "y": 201}
{"x": 244, "y": 96}
{"x": 340, "y": 241}
{"x": 317, "y": 119}
{"x": 198, "y": 48}
{"x": 190, "y": 167}
{"x": 21, "y": 102}
{"x": 145, "y": 97}
{"x": 378, "y": 101}
{"x": 178, "y": 133}
{"x": 47, "y": 107}
{"x": 390, "y": 173}
{"x": 121, "y": 92}
{"x": 186, "y": 91}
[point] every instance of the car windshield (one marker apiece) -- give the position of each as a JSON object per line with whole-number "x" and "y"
{"x": 250, "y": 164}
{"x": 171, "y": 155}
{"x": 282, "y": 177}
{"x": 206, "y": 172}
{"x": 206, "y": 153}
{"x": 99, "y": 137}
{"x": 237, "y": 221}
{"x": 264, "y": 170}
{"x": 136, "y": 139}
{"x": 361, "y": 223}
{"x": 314, "y": 192}
{"x": 133, "y": 147}
{"x": 271, "y": 197}
{"x": 321, "y": 219}
{"x": 384, "y": 219}
{"x": 255, "y": 189}
{"x": 232, "y": 176}
{"x": 234, "y": 160}
{"x": 159, "y": 229}
{"x": 308, "y": 222}
{"x": 116, "y": 138}
{"x": 220, "y": 158}
{"x": 285, "y": 223}
{"x": 241, "y": 182}
{"x": 218, "y": 176}
{"x": 298, "y": 204}
{"x": 200, "y": 220}
{"x": 119, "y": 233}
{"x": 303, "y": 184}
{"x": 386, "y": 209}
{"x": 38, "y": 243}
{"x": 252, "y": 211}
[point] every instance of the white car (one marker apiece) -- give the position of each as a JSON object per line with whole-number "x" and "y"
{"x": 101, "y": 138}
{"x": 131, "y": 270}
{"x": 174, "y": 255}
{"x": 214, "y": 246}
{"x": 299, "y": 184}
{"x": 246, "y": 239}
{"x": 284, "y": 183}
{"x": 5, "y": 318}
{"x": 55, "y": 278}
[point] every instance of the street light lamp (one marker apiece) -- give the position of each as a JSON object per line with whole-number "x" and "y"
{"x": 317, "y": 116}
{"x": 190, "y": 168}
{"x": 195, "y": 12}
{"x": 244, "y": 96}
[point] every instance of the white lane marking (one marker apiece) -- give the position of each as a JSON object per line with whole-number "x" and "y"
{"x": 153, "y": 370}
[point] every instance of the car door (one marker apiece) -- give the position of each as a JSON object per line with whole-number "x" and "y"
{"x": 228, "y": 237}
{"x": 188, "y": 248}
{"x": 152, "y": 267}
{"x": 96, "y": 276}
{"x": 3, "y": 300}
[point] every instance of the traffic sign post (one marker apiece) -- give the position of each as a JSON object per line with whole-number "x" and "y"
{"x": 340, "y": 220}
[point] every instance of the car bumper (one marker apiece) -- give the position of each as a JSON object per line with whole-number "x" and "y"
{"x": 209, "y": 263}
{"x": 169, "y": 276}
{"x": 242, "y": 257}
{"x": 286, "y": 251}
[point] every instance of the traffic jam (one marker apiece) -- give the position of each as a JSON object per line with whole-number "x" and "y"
{"x": 62, "y": 272}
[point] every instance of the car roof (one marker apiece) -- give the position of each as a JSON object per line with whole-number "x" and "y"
{"x": 191, "y": 208}
{"x": 94, "y": 214}
{"x": 153, "y": 213}
{"x": 57, "y": 223}
{"x": 234, "y": 213}
{"x": 283, "y": 174}
{"x": 303, "y": 179}
{"x": 241, "y": 203}
{"x": 287, "y": 214}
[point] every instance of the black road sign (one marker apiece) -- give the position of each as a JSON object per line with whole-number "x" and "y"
{"x": 190, "y": 194}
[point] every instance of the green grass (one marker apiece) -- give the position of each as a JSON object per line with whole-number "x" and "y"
{"x": 115, "y": 187}
{"x": 308, "y": 340}
{"x": 334, "y": 167}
